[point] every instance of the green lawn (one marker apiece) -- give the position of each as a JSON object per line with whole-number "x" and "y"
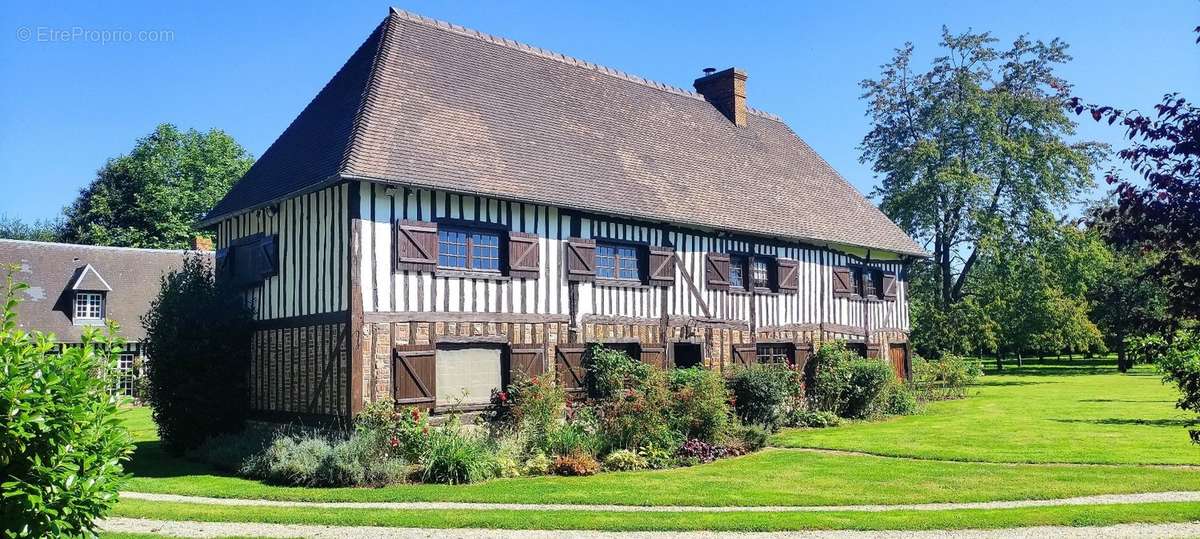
{"x": 1061, "y": 411}
{"x": 1097, "y": 515}
{"x": 1021, "y": 435}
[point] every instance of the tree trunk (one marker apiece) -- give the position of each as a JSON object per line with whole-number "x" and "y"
{"x": 999, "y": 361}
{"x": 1020, "y": 360}
{"x": 1122, "y": 366}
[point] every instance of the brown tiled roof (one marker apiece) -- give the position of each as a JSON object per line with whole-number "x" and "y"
{"x": 130, "y": 279}
{"x": 429, "y": 104}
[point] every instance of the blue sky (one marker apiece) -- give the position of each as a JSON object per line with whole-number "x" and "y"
{"x": 71, "y": 100}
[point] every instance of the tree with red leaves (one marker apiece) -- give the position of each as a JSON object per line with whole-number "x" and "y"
{"x": 1159, "y": 215}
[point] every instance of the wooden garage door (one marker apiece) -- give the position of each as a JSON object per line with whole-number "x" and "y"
{"x": 414, "y": 375}
{"x": 654, "y": 355}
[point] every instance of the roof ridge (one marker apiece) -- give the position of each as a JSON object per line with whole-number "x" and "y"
{"x": 558, "y": 57}
{"x": 62, "y": 245}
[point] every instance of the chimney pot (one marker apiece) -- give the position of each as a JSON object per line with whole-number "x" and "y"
{"x": 726, "y": 90}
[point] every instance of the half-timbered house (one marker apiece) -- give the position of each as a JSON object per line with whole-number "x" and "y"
{"x": 454, "y": 209}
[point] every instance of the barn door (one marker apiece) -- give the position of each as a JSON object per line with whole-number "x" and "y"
{"x": 414, "y": 375}
{"x": 898, "y": 356}
{"x": 745, "y": 355}
{"x": 654, "y": 355}
{"x": 525, "y": 361}
{"x": 568, "y": 363}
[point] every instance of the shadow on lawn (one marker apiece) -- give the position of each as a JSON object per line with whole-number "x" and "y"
{"x": 1127, "y": 400}
{"x": 151, "y": 460}
{"x": 1173, "y": 423}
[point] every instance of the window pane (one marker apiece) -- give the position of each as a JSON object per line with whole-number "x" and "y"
{"x": 627, "y": 258}
{"x": 759, "y": 272}
{"x": 89, "y": 306}
{"x": 606, "y": 262}
{"x": 452, "y": 248}
{"x": 737, "y": 277}
{"x": 485, "y": 251}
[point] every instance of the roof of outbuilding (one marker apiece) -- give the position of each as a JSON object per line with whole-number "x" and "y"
{"x": 129, "y": 277}
{"x": 428, "y": 104}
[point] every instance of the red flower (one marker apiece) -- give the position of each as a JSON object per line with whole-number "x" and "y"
{"x": 395, "y": 441}
{"x": 503, "y": 396}
{"x": 416, "y": 414}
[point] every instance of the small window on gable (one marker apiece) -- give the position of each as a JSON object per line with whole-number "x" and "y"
{"x": 617, "y": 262}
{"x": 89, "y": 306}
{"x": 468, "y": 250}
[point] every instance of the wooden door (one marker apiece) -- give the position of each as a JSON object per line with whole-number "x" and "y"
{"x": 525, "y": 361}
{"x": 568, "y": 364}
{"x": 654, "y": 355}
{"x": 898, "y": 357}
{"x": 414, "y": 375}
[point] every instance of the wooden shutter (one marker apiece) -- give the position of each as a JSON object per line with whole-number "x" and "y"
{"x": 580, "y": 259}
{"x": 572, "y": 375}
{"x": 788, "y": 271}
{"x": 716, "y": 271}
{"x": 889, "y": 286}
{"x": 662, "y": 266}
{"x": 745, "y": 355}
{"x": 526, "y": 361}
{"x": 804, "y": 363}
{"x": 654, "y": 355}
{"x": 414, "y": 375}
{"x": 224, "y": 264}
{"x": 267, "y": 259}
{"x": 843, "y": 279}
{"x": 416, "y": 245}
{"x": 873, "y": 350}
{"x": 524, "y": 256}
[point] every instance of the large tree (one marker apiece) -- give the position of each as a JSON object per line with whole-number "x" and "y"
{"x": 13, "y": 228}
{"x": 153, "y": 196}
{"x": 969, "y": 150}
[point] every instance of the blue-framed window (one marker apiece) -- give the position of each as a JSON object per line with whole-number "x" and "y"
{"x": 474, "y": 250}
{"x": 617, "y": 262}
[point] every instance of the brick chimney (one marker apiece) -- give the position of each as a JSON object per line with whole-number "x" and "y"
{"x": 201, "y": 243}
{"x": 726, "y": 90}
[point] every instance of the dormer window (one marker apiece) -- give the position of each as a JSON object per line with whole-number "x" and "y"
{"x": 89, "y": 307}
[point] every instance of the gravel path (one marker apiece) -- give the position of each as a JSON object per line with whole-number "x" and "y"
{"x": 224, "y": 529}
{"x": 1188, "y": 496}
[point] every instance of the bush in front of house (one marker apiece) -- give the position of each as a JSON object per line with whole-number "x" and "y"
{"x": 198, "y": 334}
{"x": 457, "y": 457}
{"x": 1180, "y": 364}
{"x": 700, "y": 404}
{"x": 62, "y": 445}
{"x": 575, "y": 464}
{"x": 830, "y": 382}
{"x": 624, "y": 460}
{"x": 537, "y": 407}
{"x": 814, "y": 419}
{"x": 944, "y": 378}
{"x": 898, "y": 399}
{"x": 763, "y": 394}
{"x": 611, "y": 371}
{"x": 402, "y": 431}
{"x": 324, "y": 459}
{"x": 869, "y": 379}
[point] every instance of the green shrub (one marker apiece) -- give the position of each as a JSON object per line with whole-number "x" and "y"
{"x": 763, "y": 393}
{"x": 830, "y": 382}
{"x": 402, "y": 433}
{"x": 576, "y": 464}
{"x": 898, "y": 399}
{"x": 700, "y": 404}
{"x": 61, "y": 443}
{"x": 753, "y": 437}
{"x": 816, "y": 419}
{"x": 869, "y": 378}
{"x": 454, "y": 457}
{"x": 623, "y": 460}
{"x": 611, "y": 371}
{"x": 945, "y": 378}
{"x": 316, "y": 459}
{"x": 198, "y": 334}
{"x": 537, "y": 408}
{"x": 572, "y": 438}
{"x": 658, "y": 457}
{"x": 1180, "y": 364}
{"x": 638, "y": 416}
{"x": 538, "y": 464}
